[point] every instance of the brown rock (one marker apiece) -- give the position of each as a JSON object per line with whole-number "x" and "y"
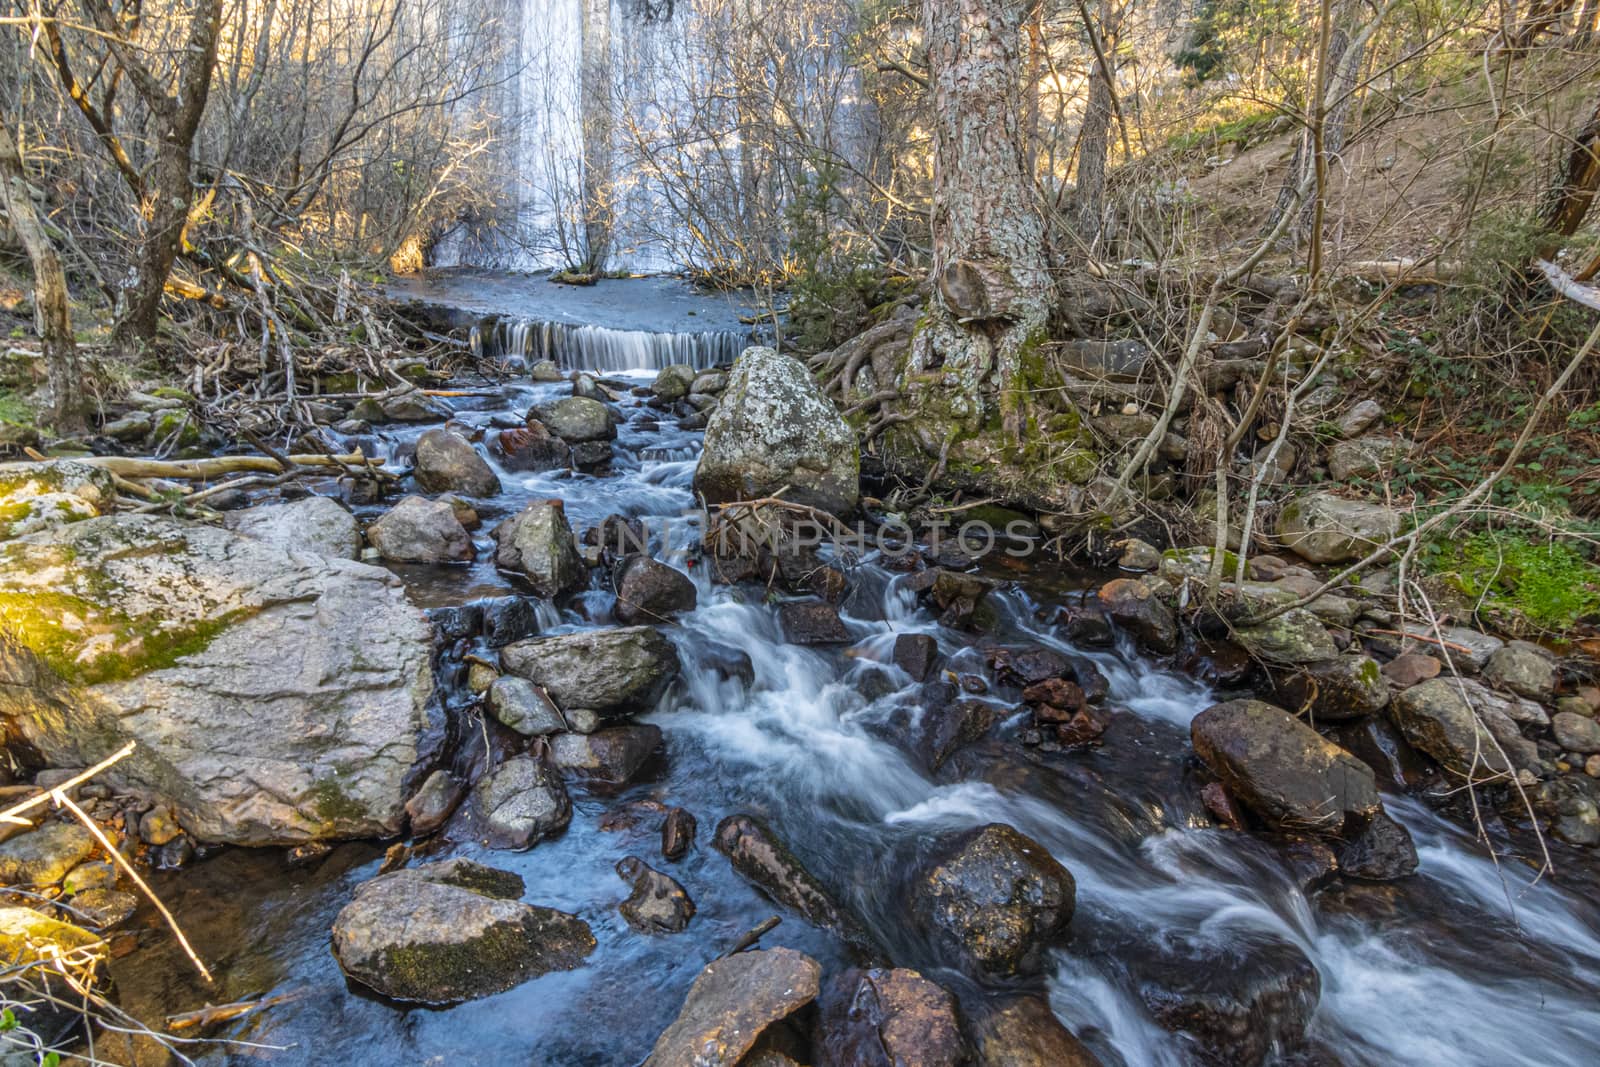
{"x": 731, "y": 1003}
{"x": 1025, "y": 1033}
{"x": 1410, "y": 668}
{"x": 889, "y": 1018}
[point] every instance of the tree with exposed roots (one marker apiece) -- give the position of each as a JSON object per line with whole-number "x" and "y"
{"x": 991, "y": 292}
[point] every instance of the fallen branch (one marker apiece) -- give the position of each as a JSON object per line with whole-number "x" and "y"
{"x": 1567, "y": 286}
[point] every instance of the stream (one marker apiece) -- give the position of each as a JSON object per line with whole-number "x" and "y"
{"x": 1466, "y": 962}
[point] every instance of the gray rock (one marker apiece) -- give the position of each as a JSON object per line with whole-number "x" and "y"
{"x": 181, "y": 628}
{"x": 658, "y": 904}
{"x": 577, "y": 419}
{"x": 1348, "y": 687}
{"x": 447, "y": 463}
{"x": 774, "y": 429}
{"x": 1107, "y": 360}
{"x": 1382, "y": 852}
{"x": 673, "y": 382}
{"x": 761, "y": 858}
{"x": 733, "y": 1001}
{"x": 1575, "y": 733}
{"x": 711, "y": 381}
{"x": 650, "y": 591}
{"x": 520, "y": 704}
{"x": 1282, "y": 769}
{"x": 448, "y": 932}
{"x": 1295, "y": 637}
{"x": 1438, "y": 719}
{"x": 1366, "y": 455}
{"x": 610, "y": 755}
{"x": 1524, "y": 668}
{"x": 43, "y": 856}
{"x": 545, "y": 371}
{"x": 133, "y": 427}
{"x": 1139, "y": 556}
{"x": 434, "y": 802}
{"x": 36, "y": 497}
{"x": 614, "y": 673}
{"x": 520, "y": 803}
{"x": 1359, "y": 419}
{"x": 316, "y": 524}
{"x": 1324, "y": 528}
{"x": 419, "y": 530}
{"x": 991, "y": 900}
{"x": 538, "y": 544}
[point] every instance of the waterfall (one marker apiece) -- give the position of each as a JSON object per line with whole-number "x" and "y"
{"x": 600, "y": 348}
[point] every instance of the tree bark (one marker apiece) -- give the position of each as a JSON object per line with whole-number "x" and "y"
{"x": 169, "y": 192}
{"x": 52, "y": 312}
{"x": 991, "y": 289}
{"x": 1095, "y": 140}
{"x": 1568, "y": 201}
{"x": 598, "y": 129}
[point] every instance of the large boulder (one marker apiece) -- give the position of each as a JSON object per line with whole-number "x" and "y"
{"x": 1523, "y": 668}
{"x": 1297, "y": 636}
{"x": 614, "y": 673}
{"x": 447, "y": 463}
{"x": 317, "y": 524}
{"x": 577, "y": 419}
{"x": 447, "y": 932}
{"x": 673, "y": 382}
{"x": 538, "y": 544}
{"x": 43, "y": 496}
{"x": 991, "y": 900}
{"x": 774, "y": 429}
{"x": 419, "y": 530}
{"x": 733, "y": 1001}
{"x": 276, "y": 697}
{"x": 1285, "y": 771}
{"x": 650, "y": 591}
{"x": 1324, "y": 528}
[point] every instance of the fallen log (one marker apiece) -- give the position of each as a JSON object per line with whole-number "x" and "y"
{"x": 201, "y": 469}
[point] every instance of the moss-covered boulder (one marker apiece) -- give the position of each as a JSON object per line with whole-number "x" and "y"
{"x": 43, "y": 496}
{"x": 1325, "y": 528}
{"x": 28, "y": 937}
{"x": 275, "y": 697}
{"x": 448, "y": 932}
{"x": 774, "y": 429}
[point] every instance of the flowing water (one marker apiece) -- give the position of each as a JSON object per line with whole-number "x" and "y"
{"x": 1464, "y": 963}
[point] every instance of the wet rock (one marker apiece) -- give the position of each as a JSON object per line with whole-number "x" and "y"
{"x": 1295, "y": 637}
{"x": 179, "y": 630}
{"x": 105, "y": 907}
{"x": 37, "y": 497}
{"x": 1410, "y": 668}
{"x": 766, "y": 862}
{"x": 1437, "y": 719}
{"x": 175, "y": 854}
{"x": 578, "y": 419}
{"x": 545, "y": 370}
{"x": 711, "y": 381}
{"x": 1382, "y": 852}
{"x": 916, "y": 654}
{"x": 530, "y": 448}
{"x": 658, "y": 904}
{"x": 610, "y": 755}
{"x": 948, "y": 727}
{"x": 811, "y": 622}
{"x": 730, "y": 1005}
{"x": 1349, "y": 687}
{"x": 1138, "y": 556}
{"x": 28, "y": 937}
{"x": 613, "y": 673}
{"x": 520, "y": 803}
{"x": 448, "y": 932}
{"x": 316, "y": 524}
{"x": 434, "y": 802}
{"x": 1219, "y": 802}
{"x": 92, "y": 874}
{"x": 991, "y": 900}
{"x": 1132, "y": 605}
{"x": 524, "y": 707}
{"x": 619, "y": 536}
{"x": 730, "y": 664}
{"x": 1576, "y": 733}
{"x": 1572, "y": 803}
{"x": 1523, "y": 668}
{"x": 1239, "y": 1001}
{"x": 158, "y": 826}
{"x": 889, "y": 1018}
{"x": 1283, "y": 770}
{"x": 507, "y": 619}
{"x": 1219, "y": 663}
{"x": 650, "y": 591}
{"x": 677, "y": 834}
{"x": 538, "y": 544}
{"x": 774, "y": 429}
{"x": 956, "y": 595}
{"x": 592, "y": 457}
{"x": 44, "y": 855}
{"x": 1324, "y": 528}
{"x": 418, "y": 530}
{"x": 1024, "y": 1032}
{"x": 447, "y": 463}
{"x": 673, "y": 382}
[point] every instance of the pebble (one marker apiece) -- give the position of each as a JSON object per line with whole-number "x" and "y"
{"x": 1591, "y": 766}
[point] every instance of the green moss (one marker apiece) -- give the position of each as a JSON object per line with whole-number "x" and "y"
{"x": 1542, "y": 585}
{"x": 1369, "y": 673}
{"x": 176, "y": 424}
{"x": 334, "y": 805}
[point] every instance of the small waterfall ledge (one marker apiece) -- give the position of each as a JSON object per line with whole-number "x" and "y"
{"x": 601, "y": 348}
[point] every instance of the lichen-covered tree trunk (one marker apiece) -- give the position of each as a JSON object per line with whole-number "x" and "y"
{"x": 598, "y": 128}
{"x": 51, "y": 309}
{"x": 991, "y": 290}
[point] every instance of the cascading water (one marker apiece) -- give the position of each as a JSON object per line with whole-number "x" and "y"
{"x": 600, "y": 348}
{"x": 1462, "y": 963}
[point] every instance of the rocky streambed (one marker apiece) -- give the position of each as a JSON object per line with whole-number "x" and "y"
{"x": 460, "y": 771}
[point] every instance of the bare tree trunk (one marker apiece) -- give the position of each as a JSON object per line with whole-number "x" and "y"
{"x": 992, "y": 292}
{"x": 598, "y": 130}
{"x": 169, "y": 192}
{"x": 51, "y": 310}
{"x": 1093, "y": 144}
{"x": 1568, "y": 201}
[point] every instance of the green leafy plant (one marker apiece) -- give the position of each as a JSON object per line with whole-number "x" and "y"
{"x": 1550, "y": 584}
